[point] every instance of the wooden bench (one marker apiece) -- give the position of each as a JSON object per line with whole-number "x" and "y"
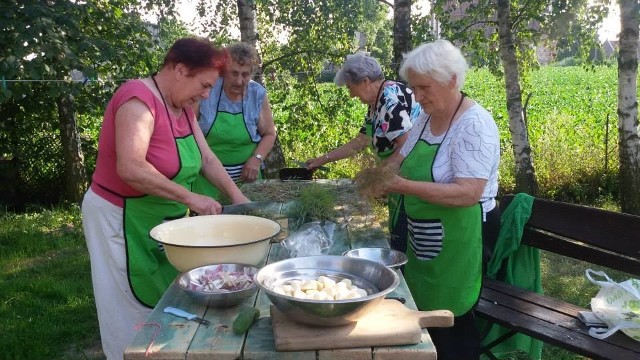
{"x": 605, "y": 238}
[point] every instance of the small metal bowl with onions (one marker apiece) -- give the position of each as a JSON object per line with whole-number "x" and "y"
{"x": 219, "y": 285}
{"x": 357, "y": 286}
{"x": 385, "y": 256}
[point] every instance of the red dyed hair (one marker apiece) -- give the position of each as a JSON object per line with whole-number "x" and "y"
{"x": 197, "y": 54}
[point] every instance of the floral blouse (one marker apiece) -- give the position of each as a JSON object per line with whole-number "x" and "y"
{"x": 391, "y": 117}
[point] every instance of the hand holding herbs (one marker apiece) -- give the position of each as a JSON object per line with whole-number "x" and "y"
{"x": 372, "y": 182}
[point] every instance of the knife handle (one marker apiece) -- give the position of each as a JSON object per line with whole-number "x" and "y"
{"x": 179, "y": 312}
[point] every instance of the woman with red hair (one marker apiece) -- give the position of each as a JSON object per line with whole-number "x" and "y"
{"x": 149, "y": 153}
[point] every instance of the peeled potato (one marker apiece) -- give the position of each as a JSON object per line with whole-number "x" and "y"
{"x": 309, "y": 285}
{"x": 300, "y": 294}
{"x": 323, "y": 288}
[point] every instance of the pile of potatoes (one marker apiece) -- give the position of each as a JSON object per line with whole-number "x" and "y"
{"x": 323, "y": 288}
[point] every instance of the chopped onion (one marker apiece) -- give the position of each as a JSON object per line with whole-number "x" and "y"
{"x": 218, "y": 280}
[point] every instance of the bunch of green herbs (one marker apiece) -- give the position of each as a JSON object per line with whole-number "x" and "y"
{"x": 316, "y": 202}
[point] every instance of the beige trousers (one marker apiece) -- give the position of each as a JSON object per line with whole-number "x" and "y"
{"x": 118, "y": 310}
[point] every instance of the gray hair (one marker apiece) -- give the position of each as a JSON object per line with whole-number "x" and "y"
{"x": 357, "y": 68}
{"x": 244, "y": 54}
{"x": 439, "y": 60}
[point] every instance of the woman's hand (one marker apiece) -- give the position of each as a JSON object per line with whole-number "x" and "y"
{"x": 251, "y": 170}
{"x": 393, "y": 185}
{"x": 203, "y": 205}
{"x": 316, "y": 162}
{"x": 376, "y": 182}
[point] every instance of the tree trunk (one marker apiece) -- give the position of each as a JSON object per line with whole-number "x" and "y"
{"x": 248, "y": 30}
{"x": 524, "y": 174}
{"x": 629, "y": 144}
{"x": 248, "y": 34}
{"x": 75, "y": 179}
{"x": 401, "y": 32}
{"x": 248, "y": 22}
{"x": 12, "y": 188}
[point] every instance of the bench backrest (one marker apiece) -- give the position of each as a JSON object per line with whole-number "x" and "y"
{"x": 602, "y": 237}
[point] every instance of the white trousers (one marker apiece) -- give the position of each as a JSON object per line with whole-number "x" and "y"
{"x": 118, "y": 310}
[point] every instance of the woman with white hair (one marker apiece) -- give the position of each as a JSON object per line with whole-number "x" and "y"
{"x": 391, "y": 110}
{"x": 449, "y": 177}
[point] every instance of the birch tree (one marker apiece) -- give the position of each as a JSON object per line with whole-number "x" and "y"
{"x": 525, "y": 171}
{"x": 401, "y": 32}
{"x": 248, "y": 22}
{"x": 628, "y": 141}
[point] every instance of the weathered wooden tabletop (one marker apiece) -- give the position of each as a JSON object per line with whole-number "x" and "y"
{"x": 178, "y": 338}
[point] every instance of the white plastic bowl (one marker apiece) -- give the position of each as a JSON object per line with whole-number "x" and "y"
{"x": 209, "y": 239}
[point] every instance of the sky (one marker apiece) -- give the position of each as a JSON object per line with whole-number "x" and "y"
{"x": 609, "y": 29}
{"x": 611, "y": 25}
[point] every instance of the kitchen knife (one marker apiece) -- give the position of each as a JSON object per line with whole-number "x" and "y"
{"x": 245, "y": 208}
{"x": 304, "y": 165}
{"x": 183, "y": 314}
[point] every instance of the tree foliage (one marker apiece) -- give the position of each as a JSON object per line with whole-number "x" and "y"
{"x": 64, "y": 54}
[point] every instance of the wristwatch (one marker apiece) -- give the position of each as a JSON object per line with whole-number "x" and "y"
{"x": 259, "y": 157}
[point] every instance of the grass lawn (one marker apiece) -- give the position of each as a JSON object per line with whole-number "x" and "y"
{"x": 46, "y": 300}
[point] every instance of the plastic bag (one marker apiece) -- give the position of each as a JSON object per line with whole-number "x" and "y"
{"x": 312, "y": 238}
{"x": 617, "y": 305}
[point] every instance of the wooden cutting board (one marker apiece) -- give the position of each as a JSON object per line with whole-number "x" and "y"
{"x": 389, "y": 323}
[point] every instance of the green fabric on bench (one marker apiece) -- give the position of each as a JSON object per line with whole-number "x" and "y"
{"x": 521, "y": 268}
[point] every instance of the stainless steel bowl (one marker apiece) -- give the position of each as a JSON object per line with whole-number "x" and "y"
{"x": 220, "y": 298}
{"x": 377, "y": 279}
{"x": 385, "y": 256}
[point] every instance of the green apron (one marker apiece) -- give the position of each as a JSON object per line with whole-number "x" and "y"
{"x": 444, "y": 270}
{"x": 230, "y": 140}
{"x": 150, "y": 273}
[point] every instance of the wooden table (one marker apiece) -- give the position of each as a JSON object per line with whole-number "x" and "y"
{"x": 178, "y": 338}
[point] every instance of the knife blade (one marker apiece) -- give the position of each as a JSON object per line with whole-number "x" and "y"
{"x": 244, "y": 208}
{"x": 183, "y": 314}
{"x": 304, "y": 165}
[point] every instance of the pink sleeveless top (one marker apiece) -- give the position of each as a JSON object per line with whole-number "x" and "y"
{"x": 162, "y": 152}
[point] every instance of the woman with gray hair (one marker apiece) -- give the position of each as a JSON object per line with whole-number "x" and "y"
{"x": 237, "y": 121}
{"x": 448, "y": 173}
{"x": 391, "y": 109}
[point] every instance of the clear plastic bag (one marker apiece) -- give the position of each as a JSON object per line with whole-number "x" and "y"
{"x": 312, "y": 238}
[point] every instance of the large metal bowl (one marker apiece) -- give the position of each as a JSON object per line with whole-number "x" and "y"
{"x": 377, "y": 279}
{"x": 189, "y": 281}
{"x": 385, "y": 256}
{"x": 213, "y": 239}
